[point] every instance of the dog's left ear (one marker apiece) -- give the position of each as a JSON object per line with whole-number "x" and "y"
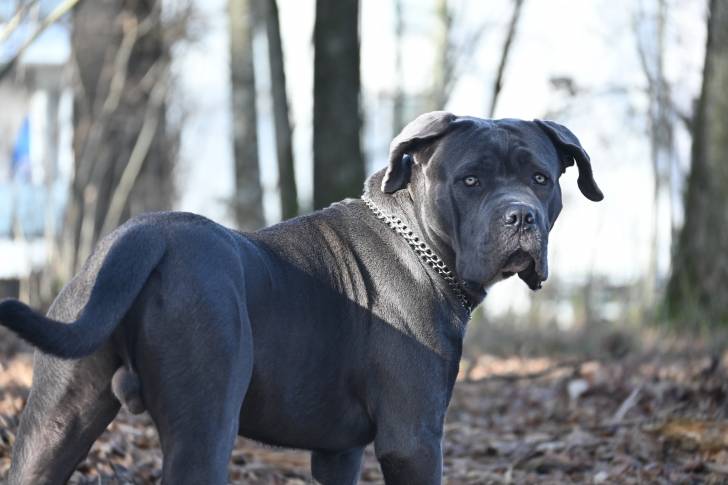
{"x": 569, "y": 149}
{"x": 424, "y": 128}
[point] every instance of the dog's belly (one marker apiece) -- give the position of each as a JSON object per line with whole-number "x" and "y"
{"x": 303, "y": 417}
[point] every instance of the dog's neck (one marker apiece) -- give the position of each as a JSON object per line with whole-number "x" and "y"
{"x": 402, "y": 205}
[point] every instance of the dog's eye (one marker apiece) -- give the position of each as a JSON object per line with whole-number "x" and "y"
{"x": 471, "y": 181}
{"x": 540, "y": 178}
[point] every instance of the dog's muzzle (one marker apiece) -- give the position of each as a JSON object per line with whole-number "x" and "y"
{"x": 523, "y": 239}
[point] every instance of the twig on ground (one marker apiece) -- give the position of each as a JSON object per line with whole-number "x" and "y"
{"x": 628, "y": 404}
{"x": 625, "y": 423}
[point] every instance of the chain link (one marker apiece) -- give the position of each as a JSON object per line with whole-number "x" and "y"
{"x": 422, "y": 250}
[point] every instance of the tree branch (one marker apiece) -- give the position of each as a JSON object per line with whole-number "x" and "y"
{"x": 498, "y": 84}
{"x": 62, "y": 9}
{"x": 14, "y": 22}
{"x": 139, "y": 152}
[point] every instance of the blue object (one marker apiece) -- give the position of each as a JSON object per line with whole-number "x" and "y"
{"x": 20, "y": 163}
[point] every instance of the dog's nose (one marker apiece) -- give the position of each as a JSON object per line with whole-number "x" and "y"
{"x": 520, "y": 216}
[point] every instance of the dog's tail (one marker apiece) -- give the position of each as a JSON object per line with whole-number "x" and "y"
{"x": 134, "y": 253}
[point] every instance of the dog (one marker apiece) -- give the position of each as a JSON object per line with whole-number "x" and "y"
{"x": 325, "y": 332}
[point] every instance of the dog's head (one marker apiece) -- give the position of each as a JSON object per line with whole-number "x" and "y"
{"x": 488, "y": 189}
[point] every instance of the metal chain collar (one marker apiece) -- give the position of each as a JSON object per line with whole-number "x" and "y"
{"x": 425, "y": 252}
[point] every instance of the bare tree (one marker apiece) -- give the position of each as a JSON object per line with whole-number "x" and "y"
{"x": 454, "y": 48}
{"x": 696, "y": 291}
{"x": 124, "y": 154}
{"x": 248, "y": 196}
{"x": 398, "y": 115}
{"x": 61, "y": 9}
{"x": 443, "y": 73}
{"x": 505, "y": 51}
{"x": 661, "y": 128}
{"x": 338, "y": 161}
{"x": 281, "y": 120}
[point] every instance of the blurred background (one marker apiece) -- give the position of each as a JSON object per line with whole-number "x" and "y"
{"x": 254, "y": 111}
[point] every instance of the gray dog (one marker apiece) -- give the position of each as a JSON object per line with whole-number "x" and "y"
{"x": 324, "y": 333}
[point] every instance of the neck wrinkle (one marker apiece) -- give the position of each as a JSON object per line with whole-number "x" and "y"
{"x": 401, "y": 204}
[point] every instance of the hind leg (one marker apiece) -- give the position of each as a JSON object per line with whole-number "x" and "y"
{"x": 194, "y": 389}
{"x": 70, "y": 405}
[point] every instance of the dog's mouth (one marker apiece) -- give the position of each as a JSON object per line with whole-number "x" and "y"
{"x": 517, "y": 262}
{"x": 528, "y": 266}
{"x": 529, "y": 263}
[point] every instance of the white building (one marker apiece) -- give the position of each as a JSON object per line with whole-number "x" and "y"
{"x": 35, "y": 141}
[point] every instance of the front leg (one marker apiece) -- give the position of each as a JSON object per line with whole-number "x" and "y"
{"x": 411, "y": 388}
{"x": 409, "y": 424}
{"x": 411, "y": 459}
{"x": 342, "y": 468}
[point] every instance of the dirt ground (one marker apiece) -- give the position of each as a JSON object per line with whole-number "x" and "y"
{"x": 654, "y": 417}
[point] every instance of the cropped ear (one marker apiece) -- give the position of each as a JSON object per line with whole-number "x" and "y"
{"x": 424, "y": 128}
{"x": 569, "y": 149}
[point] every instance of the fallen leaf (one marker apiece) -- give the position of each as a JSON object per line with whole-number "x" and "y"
{"x": 710, "y": 436}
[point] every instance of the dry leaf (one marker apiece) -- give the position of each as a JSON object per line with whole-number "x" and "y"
{"x": 711, "y": 436}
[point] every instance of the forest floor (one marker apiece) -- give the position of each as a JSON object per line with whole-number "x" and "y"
{"x": 653, "y": 416}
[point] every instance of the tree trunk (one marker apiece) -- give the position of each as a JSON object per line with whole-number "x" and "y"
{"x": 248, "y": 196}
{"x": 398, "y": 115}
{"x": 697, "y": 289}
{"x": 443, "y": 69}
{"x": 284, "y": 145}
{"x": 651, "y": 55}
{"x": 122, "y": 161}
{"x": 338, "y": 161}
